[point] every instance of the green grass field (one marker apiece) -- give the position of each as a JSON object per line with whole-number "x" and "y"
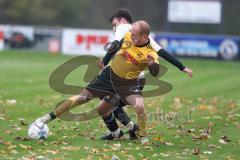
{"x": 200, "y": 117}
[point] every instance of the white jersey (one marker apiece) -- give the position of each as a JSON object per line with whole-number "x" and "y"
{"x": 120, "y": 32}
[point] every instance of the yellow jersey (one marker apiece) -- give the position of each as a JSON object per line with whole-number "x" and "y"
{"x": 131, "y": 60}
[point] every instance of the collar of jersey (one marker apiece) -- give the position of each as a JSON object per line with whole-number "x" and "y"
{"x": 143, "y": 45}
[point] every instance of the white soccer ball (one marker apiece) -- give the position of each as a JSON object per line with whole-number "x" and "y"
{"x": 38, "y": 130}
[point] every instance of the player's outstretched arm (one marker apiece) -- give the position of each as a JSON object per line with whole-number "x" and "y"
{"x": 171, "y": 59}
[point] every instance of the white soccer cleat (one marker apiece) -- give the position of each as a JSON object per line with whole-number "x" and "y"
{"x": 44, "y": 119}
{"x": 144, "y": 140}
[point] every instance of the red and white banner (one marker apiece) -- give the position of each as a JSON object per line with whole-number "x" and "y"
{"x": 85, "y": 41}
{"x": 1, "y": 38}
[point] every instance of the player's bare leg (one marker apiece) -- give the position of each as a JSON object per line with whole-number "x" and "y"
{"x": 83, "y": 97}
{"x": 137, "y": 101}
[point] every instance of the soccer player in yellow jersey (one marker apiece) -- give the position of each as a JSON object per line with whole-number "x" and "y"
{"x": 135, "y": 54}
{"x": 119, "y": 80}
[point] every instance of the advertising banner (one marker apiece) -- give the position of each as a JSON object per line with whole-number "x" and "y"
{"x": 16, "y": 36}
{"x": 1, "y": 38}
{"x": 85, "y": 41}
{"x": 225, "y": 47}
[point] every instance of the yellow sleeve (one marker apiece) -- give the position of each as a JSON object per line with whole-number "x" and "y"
{"x": 155, "y": 56}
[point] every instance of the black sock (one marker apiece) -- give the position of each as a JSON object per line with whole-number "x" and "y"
{"x": 52, "y": 115}
{"x": 111, "y": 122}
{"x": 122, "y": 116}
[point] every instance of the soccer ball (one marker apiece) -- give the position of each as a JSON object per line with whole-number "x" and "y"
{"x": 38, "y": 130}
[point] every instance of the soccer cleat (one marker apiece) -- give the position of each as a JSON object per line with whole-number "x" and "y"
{"x": 44, "y": 119}
{"x": 111, "y": 136}
{"x": 133, "y": 132}
{"x": 144, "y": 140}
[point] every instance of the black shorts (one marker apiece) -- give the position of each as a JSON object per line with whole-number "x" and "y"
{"x": 112, "y": 88}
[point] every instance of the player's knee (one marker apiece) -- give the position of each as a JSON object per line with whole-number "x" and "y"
{"x": 84, "y": 98}
{"x": 79, "y": 99}
{"x": 140, "y": 108}
{"x": 104, "y": 108}
{"x": 86, "y": 95}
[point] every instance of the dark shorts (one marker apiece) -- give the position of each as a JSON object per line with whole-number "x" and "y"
{"x": 108, "y": 86}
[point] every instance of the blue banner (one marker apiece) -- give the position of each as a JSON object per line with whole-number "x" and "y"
{"x": 225, "y": 47}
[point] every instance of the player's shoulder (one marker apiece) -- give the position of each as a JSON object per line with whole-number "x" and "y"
{"x": 125, "y": 27}
{"x": 121, "y": 31}
{"x": 127, "y": 35}
{"x": 154, "y": 45}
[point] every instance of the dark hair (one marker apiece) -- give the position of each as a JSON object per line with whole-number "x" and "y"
{"x": 122, "y": 13}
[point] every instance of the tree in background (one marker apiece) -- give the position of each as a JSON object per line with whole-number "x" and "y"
{"x": 95, "y": 14}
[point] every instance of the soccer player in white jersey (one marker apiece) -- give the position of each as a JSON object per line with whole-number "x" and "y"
{"x": 121, "y": 21}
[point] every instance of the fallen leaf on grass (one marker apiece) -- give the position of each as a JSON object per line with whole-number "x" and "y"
{"x": 116, "y": 146}
{"x": 42, "y": 142}
{"x": 11, "y": 147}
{"x": 53, "y": 151}
{"x": 56, "y": 143}
{"x": 94, "y": 151}
{"x": 5, "y": 143}
{"x": 9, "y": 132}
{"x": 25, "y": 147}
{"x": 41, "y": 157}
{"x": 169, "y": 143}
{"x": 214, "y": 146}
{"x": 11, "y": 102}
{"x": 2, "y": 116}
{"x": 177, "y": 103}
{"x": 23, "y": 122}
{"x": 217, "y": 117}
{"x": 72, "y": 148}
{"x": 196, "y": 151}
{"x": 14, "y": 151}
{"x": 31, "y": 157}
{"x": 131, "y": 157}
{"x": 207, "y": 152}
{"x": 232, "y": 104}
{"x": 203, "y": 107}
{"x": 22, "y": 138}
{"x": 203, "y": 136}
{"x": 230, "y": 158}
{"x": 137, "y": 148}
{"x": 148, "y": 148}
{"x": 237, "y": 125}
{"x": 190, "y": 130}
{"x": 210, "y": 124}
{"x": 224, "y": 140}
{"x": 167, "y": 154}
{"x": 155, "y": 155}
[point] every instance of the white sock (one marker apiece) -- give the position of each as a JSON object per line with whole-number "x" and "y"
{"x": 116, "y": 133}
{"x": 144, "y": 140}
{"x": 45, "y": 119}
{"x": 130, "y": 125}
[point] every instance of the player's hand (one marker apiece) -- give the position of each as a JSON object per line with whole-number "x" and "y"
{"x": 188, "y": 71}
{"x": 100, "y": 64}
